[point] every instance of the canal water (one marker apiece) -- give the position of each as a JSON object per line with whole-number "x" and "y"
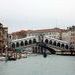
{"x": 38, "y": 65}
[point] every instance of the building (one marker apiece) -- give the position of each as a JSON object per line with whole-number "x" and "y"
{"x": 41, "y": 34}
{"x": 52, "y": 33}
{"x": 69, "y": 35}
{"x": 18, "y": 35}
{"x": 3, "y": 36}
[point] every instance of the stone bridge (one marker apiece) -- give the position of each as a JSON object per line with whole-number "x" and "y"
{"x": 30, "y": 44}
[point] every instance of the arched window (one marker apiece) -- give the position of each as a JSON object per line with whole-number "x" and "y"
{"x": 46, "y": 41}
{"x": 17, "y": 44}
{"x": 62, "y": 45}
{"x": 58, "y": 44}
{"x": 50, "y": 42}
{"x": 26, "y": 42}
{"x": 54, "y": 43}
{"x": 13, "y": 45}
{"x": 66, "y": 46}
{"x": 22, "y": 44}
{"x": 34, "y": 41}
{"x": 30, "y": 41}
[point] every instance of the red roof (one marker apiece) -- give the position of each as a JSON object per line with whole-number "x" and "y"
{"x": 47, "y": 30}
{"x": 18, "y": 32}
{"x": 40, "y": 31}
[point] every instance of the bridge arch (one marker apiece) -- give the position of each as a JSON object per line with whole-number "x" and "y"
{"x": 22, "y": 44}
{"x": 62, "y": 45}
{"x": 13, "y": 45}
{"x": 46, "y": 41}
{"x": 17, "y": 44}
{"x": 30, "y": 41}
{"x": 26, "y": 42}
{"x": 66, "y": 46}
{"x": 50, "y": 42}
{"x": 54, "y": 43}
{"x": 58, "y": 44}
{"x": 34, "y": 41}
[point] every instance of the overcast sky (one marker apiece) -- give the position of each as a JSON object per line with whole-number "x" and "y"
{"x": 37, "y": 14}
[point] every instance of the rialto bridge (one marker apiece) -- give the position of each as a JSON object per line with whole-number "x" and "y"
{"x": 36, "y": 44}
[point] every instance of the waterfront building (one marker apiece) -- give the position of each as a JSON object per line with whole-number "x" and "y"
{"x": 3, "y": 36}
{"x": 69, "y": 35}
{"x": 41, "y": 34}
{"x": 52, "y": 33}
{"x": 18, "y": 35}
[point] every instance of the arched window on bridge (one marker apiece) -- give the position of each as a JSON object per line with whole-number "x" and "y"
{"x": 62, "y": 45}
{"x": 22, "y": 44}
{"x": 17, "y": 44}
{"x": 13, "y": 45}
{"x": 66, "y": 46}
{"x": 50, "y": 42}
{"x": 30, "y": 41}
{"x": 26, "y": 42}
{"x": 54, "y": 43}
{"x": 46, "y": 41}
{"x": 58, "y": 44}
{"x": 34, "y": 41}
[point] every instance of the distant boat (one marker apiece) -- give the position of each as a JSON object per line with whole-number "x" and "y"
{"x": 11, "y": 58}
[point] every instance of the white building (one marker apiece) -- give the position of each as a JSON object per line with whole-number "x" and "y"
{"x": 52, "y": 33}
{"x": 69, "y": 35}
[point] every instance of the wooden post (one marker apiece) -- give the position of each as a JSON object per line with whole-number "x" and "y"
{"x": 6, "y": 53}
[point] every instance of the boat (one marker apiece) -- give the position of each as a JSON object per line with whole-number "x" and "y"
{"x": 11, "y": 58}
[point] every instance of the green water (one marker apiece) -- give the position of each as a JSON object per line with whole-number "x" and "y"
{"x": 37, "y": 65}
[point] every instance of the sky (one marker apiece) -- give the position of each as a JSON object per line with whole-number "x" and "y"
{"x": 36, "y": 14}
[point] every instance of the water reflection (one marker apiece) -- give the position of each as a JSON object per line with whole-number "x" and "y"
{"x": 37, "y": 65}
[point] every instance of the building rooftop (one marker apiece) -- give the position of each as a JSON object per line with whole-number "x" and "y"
{"x": 72, "y": 28}
{"x": 1, "y": 25}
{"x": 46, "y": 30}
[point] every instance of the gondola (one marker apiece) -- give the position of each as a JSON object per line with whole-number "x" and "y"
{"x": 11, "y": 58}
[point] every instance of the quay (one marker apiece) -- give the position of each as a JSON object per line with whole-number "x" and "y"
{"x": 11, "y": 54}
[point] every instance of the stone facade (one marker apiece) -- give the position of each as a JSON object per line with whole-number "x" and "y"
{"x": 69, "y": 35}
{"x": 3, "y": 36}
{"x": 18, "y": 35}
{"x": 52, "y": 33}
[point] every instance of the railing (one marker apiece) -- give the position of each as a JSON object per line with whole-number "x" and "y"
{"x": 59, "y": 48}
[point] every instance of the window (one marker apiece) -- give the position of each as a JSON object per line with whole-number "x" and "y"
{"x": 34, "y": 41}
{"x": 30, "y": 41}
{"x": 46, "y": 41}
{"x": 0, "y": 33}
{"x": 22, "y": 44}
{"x": 17, "y": 44}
